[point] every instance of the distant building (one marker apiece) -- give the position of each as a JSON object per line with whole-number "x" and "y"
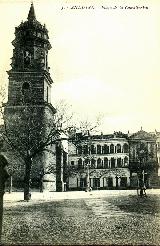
{"x": 111, "y": 161}
{"x": 158, "y": 152}
{"x": 144, "y": 156}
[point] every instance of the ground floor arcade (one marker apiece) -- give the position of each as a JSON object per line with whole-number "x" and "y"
{"x": 101, "y": 179}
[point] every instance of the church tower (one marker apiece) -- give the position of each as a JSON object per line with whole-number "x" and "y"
{"x": 29, "y": 106}
{"x": 29, "y": 78}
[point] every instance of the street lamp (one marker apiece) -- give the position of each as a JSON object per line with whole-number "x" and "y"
{"x": 87, "y": 178}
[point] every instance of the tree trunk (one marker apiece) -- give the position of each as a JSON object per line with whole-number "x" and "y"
{"x": 3, "y": 177}
{"x": 10, "y": 183}
{"x": 1, "y": 213}
{"x": 87, "y": 180}
{"x": 28, "y": 165}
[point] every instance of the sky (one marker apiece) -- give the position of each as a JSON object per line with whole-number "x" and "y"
{"x": 104, "y": 58}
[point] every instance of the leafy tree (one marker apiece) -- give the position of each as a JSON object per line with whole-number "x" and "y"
{"x": 143, "y": 164}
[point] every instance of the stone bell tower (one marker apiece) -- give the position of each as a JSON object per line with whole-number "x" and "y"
{"x": 30, "y": 89}
{"x": 29, "y": 78}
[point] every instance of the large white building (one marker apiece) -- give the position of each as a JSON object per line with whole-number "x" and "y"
{"x": 112, "y": 161}
{"x": 105, "y": 158}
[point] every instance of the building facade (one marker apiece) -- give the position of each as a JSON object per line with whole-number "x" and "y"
{"x": 144, "y": 158}
{"x": 113, "y": 161}
{"x": 104, "y": 157}
{"x": 158, "y": 150}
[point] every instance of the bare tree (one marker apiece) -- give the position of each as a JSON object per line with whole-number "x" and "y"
{"x": 28, "y": 136}
{"x": 83, "y": 141}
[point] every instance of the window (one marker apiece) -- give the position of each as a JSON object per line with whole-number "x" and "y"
{"x": 125, "y": 161}
{"x": 123, "y": 182}
{"x": 87, "y": 161}
{"x": 119, "y": 162}
{"x": 111, "y": 148}
{"x": 26, "y": 92}
{"x": 96, "y": 182}
{"x": 72, "y": 163}
{"x": 85, "y": 149}
{"x": 79, "y": 163}
{"x": 79, "y": 150}
{"x": 110, "y": 182}
{"x": 25, "y": 86}
{"x": 93, "y": 149}
{"x": 93, "y": 163}
{"x": 39, "y": 35}
{"x": 118, "y": 148}
{"x": 98, "y": 149}
{"x": 99, "y": 163}
{"x": 27, "y": 58}
{"x": 112, "y": 162}
{"x": 106, "y": 149}
{"x": 125, "y": 148}
{"x": 105, "y": 162}
{"x": 82, "y": 183}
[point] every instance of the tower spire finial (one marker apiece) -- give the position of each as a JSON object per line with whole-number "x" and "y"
{"x": 31, "y": 14}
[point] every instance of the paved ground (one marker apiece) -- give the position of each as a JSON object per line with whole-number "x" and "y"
{"x": 101, "y": 217}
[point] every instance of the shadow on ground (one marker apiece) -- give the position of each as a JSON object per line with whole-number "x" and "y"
{"x": 107, "y": 220}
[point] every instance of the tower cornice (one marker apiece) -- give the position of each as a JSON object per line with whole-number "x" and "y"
{"x": 44, "y": 74}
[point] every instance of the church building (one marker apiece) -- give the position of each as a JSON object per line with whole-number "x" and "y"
{"x": 29, "y": 115}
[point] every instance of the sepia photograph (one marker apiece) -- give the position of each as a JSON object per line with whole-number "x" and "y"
{"x": 79, "y": 122}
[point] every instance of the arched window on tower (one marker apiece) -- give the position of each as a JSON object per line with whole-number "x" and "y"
{"x": 27, "y": 59}
{"x": 26, "y": 92}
